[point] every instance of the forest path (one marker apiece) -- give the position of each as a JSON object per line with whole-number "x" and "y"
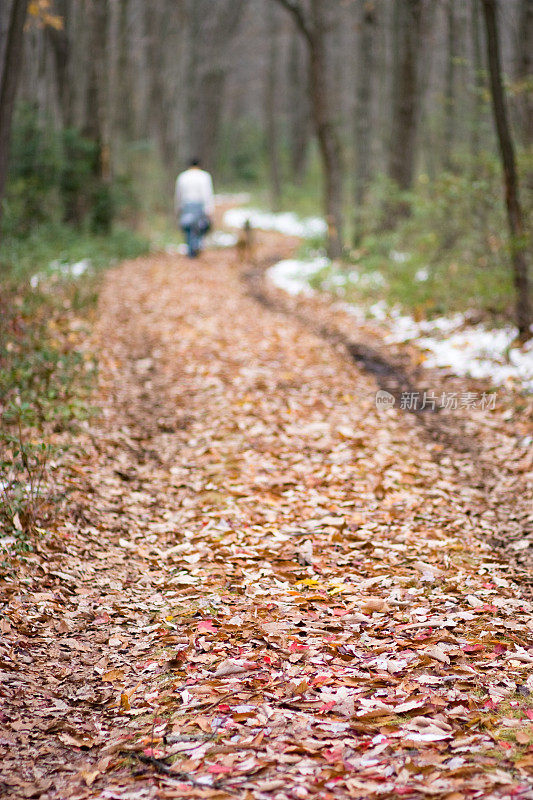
{"x": 266, "y": 588}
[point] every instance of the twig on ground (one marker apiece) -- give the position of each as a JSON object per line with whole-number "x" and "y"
{"x": 164, "y": 769}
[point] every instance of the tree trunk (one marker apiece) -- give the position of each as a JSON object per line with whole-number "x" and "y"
{"x": 171, "y": 144}
{"x": 272, "y": 139}
{"x": 524, "y": 72}
{"x": 428, "y": 145}
{"x": 97, "y": 120}
{"x": 11, "y": 66}
{"x": 518, "y": 238}
{"x": 328, "y": 139}
{"x": 123, "y": 112}
{"x": 156, "y": 26}
{"x": 60, "y": 44}
{"x": 406, "y": 98}
{"x": 363, "y": 113}
{"x": 450, "y": 120}
{"x": 478, "y": 83}
{"x": 96, "y": 123}
{"x": 298, "y": 74}
{"x": 314, "y": 27}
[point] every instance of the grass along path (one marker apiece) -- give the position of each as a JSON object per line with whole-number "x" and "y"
{"x": 264, "y": 588}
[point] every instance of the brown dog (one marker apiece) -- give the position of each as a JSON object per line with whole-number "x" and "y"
{"x": 245, "y": 245}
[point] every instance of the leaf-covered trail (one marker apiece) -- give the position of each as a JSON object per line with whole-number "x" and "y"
{"x": 265, "y": 589}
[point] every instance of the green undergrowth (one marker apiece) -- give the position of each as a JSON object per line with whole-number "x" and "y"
{"x": 46, "y": 370}
{"x": 451, "y": 254}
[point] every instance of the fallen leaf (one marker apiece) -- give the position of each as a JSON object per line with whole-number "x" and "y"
{"x": 370, "y": 605}
{"x": 234, "y": 666}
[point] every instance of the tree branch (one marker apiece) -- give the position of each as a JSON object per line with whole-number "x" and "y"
{"x": 302, "y": 23}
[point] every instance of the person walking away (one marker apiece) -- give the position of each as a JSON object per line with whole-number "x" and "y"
{"x": 194, "y": 203}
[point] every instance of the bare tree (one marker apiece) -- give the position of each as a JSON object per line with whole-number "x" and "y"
{"x": 272, "y": 133}
{"x": 10, "y": 71}
{"x": 524, "y": 70}
{"x": 450, "y": 99}
{"x": 478, "y": 81}
{"x": 299, "y": 121}
{"x": 363, "y": 110}
{"x": 408, "y": 27}
{"x": 122, "y": 111}
{"x": 97, "y": 123}
{"x": 61, "y": 47}
{"x": 518, "y": 237}
{"x": 313, "y": 24}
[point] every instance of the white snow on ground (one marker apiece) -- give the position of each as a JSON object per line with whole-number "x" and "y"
{"x": 450, "y": 342}
{"x": 399, "y": 258}
{"x": 57, "y": 267}
{"x": 293, "y": 276}
{"x": 287, "y": 223}
{"x": 422, "y": 274}
{"x": 338, "y": 281}
{"x": 473, "y": 350}
{"x": 221, "y": 239}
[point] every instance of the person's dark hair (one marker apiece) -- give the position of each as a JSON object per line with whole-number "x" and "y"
{"x": 194, "y": 162}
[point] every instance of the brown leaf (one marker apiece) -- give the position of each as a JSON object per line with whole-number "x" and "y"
{"x": 79, "y": 740}
{"x": 436, "y": 652}
{"x": 371, "y": 605}
{"x": 113, "y": 675}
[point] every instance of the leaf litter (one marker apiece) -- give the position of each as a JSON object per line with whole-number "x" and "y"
{"x": 263, "y": 589}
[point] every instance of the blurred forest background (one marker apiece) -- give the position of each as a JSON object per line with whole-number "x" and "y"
{"x": 376, "y": 113}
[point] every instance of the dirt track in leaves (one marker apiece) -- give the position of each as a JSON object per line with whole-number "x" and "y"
{"x": 264, "y": 588}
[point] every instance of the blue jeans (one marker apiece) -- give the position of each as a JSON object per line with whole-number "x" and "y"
{"x": 194, "y": 241}
{"x": 190, "y": 215}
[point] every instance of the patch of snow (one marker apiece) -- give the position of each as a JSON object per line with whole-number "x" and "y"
{"x": 286, "y": 223}
{"x": 373, "y": 280}
{"x": 78, "y": 269}
{"x": 293, "y": 276}
{"x": 58, "y": 267}
{"x": 221, "y": 239}
{"x": 397, "y": 257}
{"x": 335, "y": 283}
{"x": 482, "y": 353}
{"x": 406, "y": 328}
{"x": 422, "y": 274}
{"x": 70, "y": 270}
{"x": 339, "y": 280}
{"x": 356, "y": 312}
{"x": 379, "y": 310}
{"x": 467, "y": 350}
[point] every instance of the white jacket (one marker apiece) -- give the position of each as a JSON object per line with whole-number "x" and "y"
{"x": 195, "y": 186}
